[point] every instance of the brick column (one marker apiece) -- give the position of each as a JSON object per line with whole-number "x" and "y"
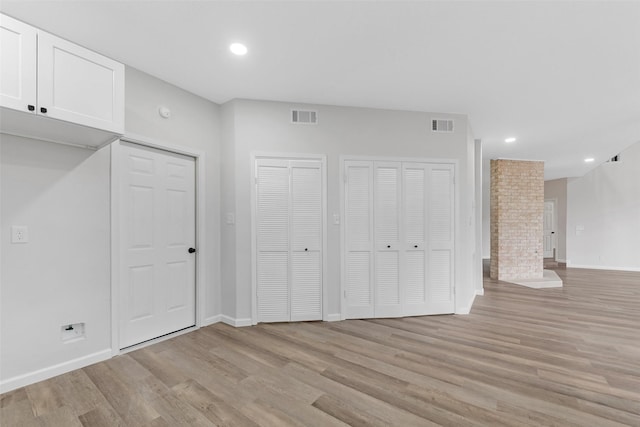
{"x": 517, "y": 203}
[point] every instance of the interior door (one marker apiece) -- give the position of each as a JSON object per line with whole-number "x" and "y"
{"x": 157, "y": 238}
{"x": 548, "y": 228}
{"x": 358, "y": 239}
{"x": 414, "y": 214}
{"x": 388, "y": 248}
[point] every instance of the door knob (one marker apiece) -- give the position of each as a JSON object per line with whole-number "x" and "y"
{"x": 192, "y": 250}
{"x": 31, "y": 107}
{"x": 388, "y": 246}
{"x": 415, "y": 246}
{"x": 306, "y": 249}
{"x": 43, "y": 110}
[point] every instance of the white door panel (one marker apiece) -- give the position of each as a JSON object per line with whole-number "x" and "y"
{"x": 157, "y": 284}
{"x": 548, "y": 242}
{"x": 18, "y": 43}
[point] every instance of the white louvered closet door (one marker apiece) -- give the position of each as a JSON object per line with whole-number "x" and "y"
{"x": 440, "y": 236}
{"x": 272, "y": 223}
{"x": 388, "y": 229}
{"x": 358, "y": 239}
{"x": 289, "y": 239}
{"x": 306, "y": 240}
{"x": 414, "y": 217}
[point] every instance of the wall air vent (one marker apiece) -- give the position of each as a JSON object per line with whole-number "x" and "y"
{"x": 615, "y": 158}
{"x": 304, "y": 117}
{"x": 442, "y": 125}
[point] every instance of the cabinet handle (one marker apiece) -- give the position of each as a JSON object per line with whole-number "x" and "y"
{"x": 388, "y": 246}
{"x": 306, "y": 249}
{"x": 43, "y": 110}
{"x": 31, "y": 107}
{"x": 192, "y": 250}
{"x": 415, "y": 246}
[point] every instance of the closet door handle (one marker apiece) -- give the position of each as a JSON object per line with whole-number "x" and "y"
{"x": 192, "y": 250}
{"x": 31, "y": 107}
{"x": 388, "y": 246}
{"x": 43, "y": 110}
{"x": 306, "y": 249}
{"x": 415, "y": 246}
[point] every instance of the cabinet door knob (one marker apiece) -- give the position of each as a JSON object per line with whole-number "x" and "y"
{"x": 388, "y": 246}
{"x": 192, "y": 250}
{"x": 31, "y": 107}
{"x": 415, "y": 246}
{"x": 43, "y": 110}
{"x": 306, "y": 249}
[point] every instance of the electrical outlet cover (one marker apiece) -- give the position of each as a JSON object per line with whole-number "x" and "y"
{"x": 19, "y": 234}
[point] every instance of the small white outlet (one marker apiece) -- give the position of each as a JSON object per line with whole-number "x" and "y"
{"x": 19, "y": 234}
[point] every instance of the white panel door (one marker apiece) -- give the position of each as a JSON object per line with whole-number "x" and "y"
{"x": 78, "y": 85}
{"x": 17, "y": 64}
{"x": 358, "y": 239}
{"x": 157, "y": 209}
{"x": 272, "y": 234}
{"x": 548, "y": 228}
{"x": 388, "y": 250}
{"x": 306, "y": 240}
{"x": 440, "y": 239}
{"x": 414, "y": 217}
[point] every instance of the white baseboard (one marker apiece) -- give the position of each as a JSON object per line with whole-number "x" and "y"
{"x": 211, "y": 320}
{"x": 480, "y": 292}
{"x": 53, "y": 371}
{"x": 602, "y": 267}
{"x": 467, "y": 308}
{"x": 333, "y": 317}
{"x": 562, "y": 260}
{"x": 235, "y": 322}
{"x": 486, "y": 257}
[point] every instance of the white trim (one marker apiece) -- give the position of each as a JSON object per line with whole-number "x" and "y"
{"x": 486, "y": 257}
{"x": 479, "y": 292}
{"x": 211, "y": 320}
{"x": 333, "y": 317}
{"x": 157, "y": 340}
{"x": 238, "y": 323}
{"x": 52, "y": 371}
{"x": 602, "y": 267}
{"x": 561, "y": 260}
{"x": 254, "y": 287}
{"x": 467, "y": 308}
{"x": 201, "y": 254}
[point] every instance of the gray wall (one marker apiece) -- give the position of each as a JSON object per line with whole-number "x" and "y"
{"x": 606, "y": 204}
{"x": 265, "y": 127}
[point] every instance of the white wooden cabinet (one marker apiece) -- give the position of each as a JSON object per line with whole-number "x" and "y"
{"x": 45, "y": 77}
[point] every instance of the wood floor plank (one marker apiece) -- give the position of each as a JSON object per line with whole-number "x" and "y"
{"x": 522, "y": 357}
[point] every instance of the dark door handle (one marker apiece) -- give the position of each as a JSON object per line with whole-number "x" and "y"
{"x": 306, "y": 249}
{"x": 415, "y": 246}
{"x": 192, "y": 250}
{"x": 31, "y": 107}
{"x": 43, "y": 110}
{"x": 553, "y": 232}
{"x": 388, "y": 246}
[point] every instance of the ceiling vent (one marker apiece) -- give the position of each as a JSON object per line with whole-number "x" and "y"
{"x": 442, "y": 125}
{"x": 304, "y": 117}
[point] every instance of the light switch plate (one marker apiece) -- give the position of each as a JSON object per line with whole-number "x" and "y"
{"x": 19, "y": 234}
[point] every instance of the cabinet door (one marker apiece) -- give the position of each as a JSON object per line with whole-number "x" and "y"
{"x": 17, "y": 64}
{"x": 78, "y": 85}
{"x": 306, "y": 240}
{"x": 387, "y": 200}
{"x": 358, "y": 239}
{"x": 272, "y": 220}
{"x": 414, "y": 214}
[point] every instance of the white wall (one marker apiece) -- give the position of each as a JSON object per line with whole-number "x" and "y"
{"x": 486, "y": 208}
{"x": 61, "y": 275}
{"x": 606, "y": 204}
{"x": 557, "y": 190}
{"x": 62, "y": 193}
{"x": 265, "y": 127}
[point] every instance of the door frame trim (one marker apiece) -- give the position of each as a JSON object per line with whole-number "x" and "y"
{"x": 200, "y": 273}
{"x": 322, "y": 158}
{"x": 554, "y": 228}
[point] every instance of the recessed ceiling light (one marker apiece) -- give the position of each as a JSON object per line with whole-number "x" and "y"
{"x": 508, "y": 140}
{"x": 589, "y": 160}
{"x": 238, "y": 49}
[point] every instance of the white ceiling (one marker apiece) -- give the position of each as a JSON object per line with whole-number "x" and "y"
{"x": 562, "y": 77}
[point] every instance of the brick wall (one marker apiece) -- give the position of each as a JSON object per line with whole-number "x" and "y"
{"x": 517, "y": 203}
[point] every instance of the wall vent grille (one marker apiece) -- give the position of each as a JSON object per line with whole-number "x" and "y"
{"x": 304, "y": 117}
{"x": 442, "y": 125}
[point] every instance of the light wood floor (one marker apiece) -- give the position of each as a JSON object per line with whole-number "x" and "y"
{"x": 562, "y": 357}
